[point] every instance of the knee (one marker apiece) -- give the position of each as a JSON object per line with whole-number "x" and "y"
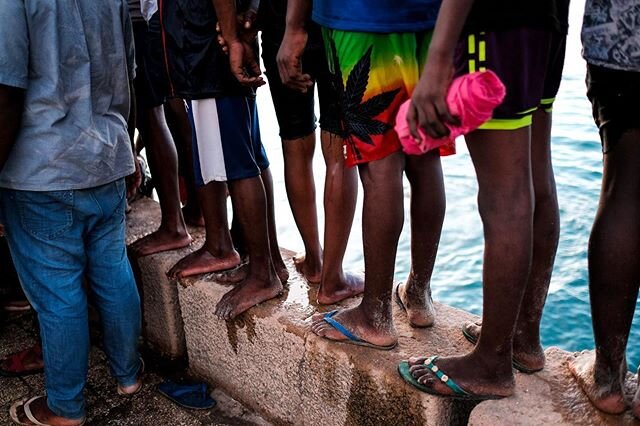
{"x": 507, "y": 210}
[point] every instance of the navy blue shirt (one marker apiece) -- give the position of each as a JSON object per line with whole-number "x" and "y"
{"x": 378, "y": 16}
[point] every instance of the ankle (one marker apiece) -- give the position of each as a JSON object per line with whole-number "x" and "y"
{"x": 219, "y": 251}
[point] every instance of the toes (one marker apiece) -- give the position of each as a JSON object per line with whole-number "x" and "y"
{"x": 426, "y": 379}
{"x": 317, "y": 318}
{"x": 317, "y": 327}
{"x": 320, "y": 330}
{"x": 417, "y": 360}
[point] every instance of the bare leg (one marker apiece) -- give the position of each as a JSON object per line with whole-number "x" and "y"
{"x": 217, "y": 253}
{"x": 382, "y": 220}
{"x": 181, "y": 131}
{"x": 340, "y": 195}
{"x": 614, "y": 275}
{"x": 163, "y": 161}
{"x": 276, "y": 256}
{"x": 503, "y": 167}
{"x": 427, "y": 215}
{"x": 527, "y": 349}
{"x": 301, "y": 192}
{"x": 262, "y": 282}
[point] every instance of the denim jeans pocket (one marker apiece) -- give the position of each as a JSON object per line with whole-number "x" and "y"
{"x": 45, "y": 215}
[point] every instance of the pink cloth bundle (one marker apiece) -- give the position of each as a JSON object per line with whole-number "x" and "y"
{"x": 471, "y": 97}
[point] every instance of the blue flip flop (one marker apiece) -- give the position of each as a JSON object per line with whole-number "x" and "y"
{"x": 192, "y": 396}
{"x": 404, "y": 369}
{"x": 352, "y": 338}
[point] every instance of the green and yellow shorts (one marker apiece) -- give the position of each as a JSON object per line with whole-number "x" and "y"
{"x": 374, "y": 74}
{"x": 529, "y": 61}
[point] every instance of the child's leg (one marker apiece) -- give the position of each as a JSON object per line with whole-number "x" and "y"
{"x": 262, "y": 282}
{"x": 505, "y": 201}
{"x": 389, "y": 65}
{"x": 614, "y": 269}
{"x": 427, "y": 215}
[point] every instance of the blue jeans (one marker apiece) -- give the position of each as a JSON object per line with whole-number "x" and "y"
{"x": 57, "y": 240}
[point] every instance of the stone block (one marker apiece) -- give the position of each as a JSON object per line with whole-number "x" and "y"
{"x": 270, "y": 361}
{"x": 550, "y": 397}
{"x": 162, "y": 321}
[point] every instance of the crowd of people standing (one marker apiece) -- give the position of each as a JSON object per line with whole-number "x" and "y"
{"x": 76, "y": 79}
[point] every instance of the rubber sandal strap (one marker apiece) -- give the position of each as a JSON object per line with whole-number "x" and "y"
{"x": 328, "y": 318}
{"x": 30, "y": 416}
{"x": 444, "y": 378}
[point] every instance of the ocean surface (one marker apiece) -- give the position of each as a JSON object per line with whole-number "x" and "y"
{"x": 456, "y": 281}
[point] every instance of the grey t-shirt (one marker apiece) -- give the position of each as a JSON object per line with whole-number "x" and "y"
{"x": 611, "y": 34}
{"x": 75, "y": 60}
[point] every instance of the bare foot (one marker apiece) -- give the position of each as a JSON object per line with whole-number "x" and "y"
{"x": 280, "y": 267}
{"x": 526, "y": 358}
{"x": 475, "y": 376}
{"x": 635, "y": 404}
{"x": 233, "y": 276}
{"x": 602, "y": 386}
{"x": 202, "y": 262}
{"x": 238, "y": 274}
{"x": 417, "y": 303}
{"x": 311, "y": 270}
{"x": 379, "y": 332}
{"x": 344, "y": 287}
{"x": 246, "y": 295}
{"x": 42, "y": 414}
{"x": 131, "y": 389}
{"x": 159, "y": 241}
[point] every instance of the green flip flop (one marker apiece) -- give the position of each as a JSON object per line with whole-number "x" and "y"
{"x": 404, "y": 369}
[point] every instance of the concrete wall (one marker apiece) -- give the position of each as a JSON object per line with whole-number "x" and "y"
{"x": 269, "y": 360}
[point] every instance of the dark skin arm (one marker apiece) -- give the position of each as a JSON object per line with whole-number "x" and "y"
{"x": 11, "y": 105}
{"x": 293, "y": 44}
{"x": 429, "y": 109}
{"x": 135, "y": 180}
{"x": 244, "y": 64}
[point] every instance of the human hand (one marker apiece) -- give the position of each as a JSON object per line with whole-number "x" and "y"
{"x": 289, "y": 61}
{"x": 428, "y": 108}
{"x": 248, "y": 30}
{"x": 134, "y": 180}
{"x": 244, "y": 64}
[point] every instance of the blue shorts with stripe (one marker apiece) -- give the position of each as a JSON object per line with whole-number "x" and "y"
{"x": 226, "y": 139}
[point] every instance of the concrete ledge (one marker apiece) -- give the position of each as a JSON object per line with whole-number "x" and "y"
{"x": 162, "y": 320}
{"x": 551, "y": 397}
{"x": 268, "y": 360}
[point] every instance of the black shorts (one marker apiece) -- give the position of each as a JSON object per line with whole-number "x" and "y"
{"x": 614, "y": 95}
{"x": 295, "y": 110}
{"x": 529, "y": 61}
{"x": 151, "y": 83}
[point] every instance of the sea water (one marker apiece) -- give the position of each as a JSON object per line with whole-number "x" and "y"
{"x": 577, "y": 160}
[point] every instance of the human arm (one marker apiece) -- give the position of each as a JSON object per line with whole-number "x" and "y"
{"x": 429, "y": 109}
{"x": 244, "y": 65}
{"x": 11, "y": 105}
{"x": 293, "y": 44}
